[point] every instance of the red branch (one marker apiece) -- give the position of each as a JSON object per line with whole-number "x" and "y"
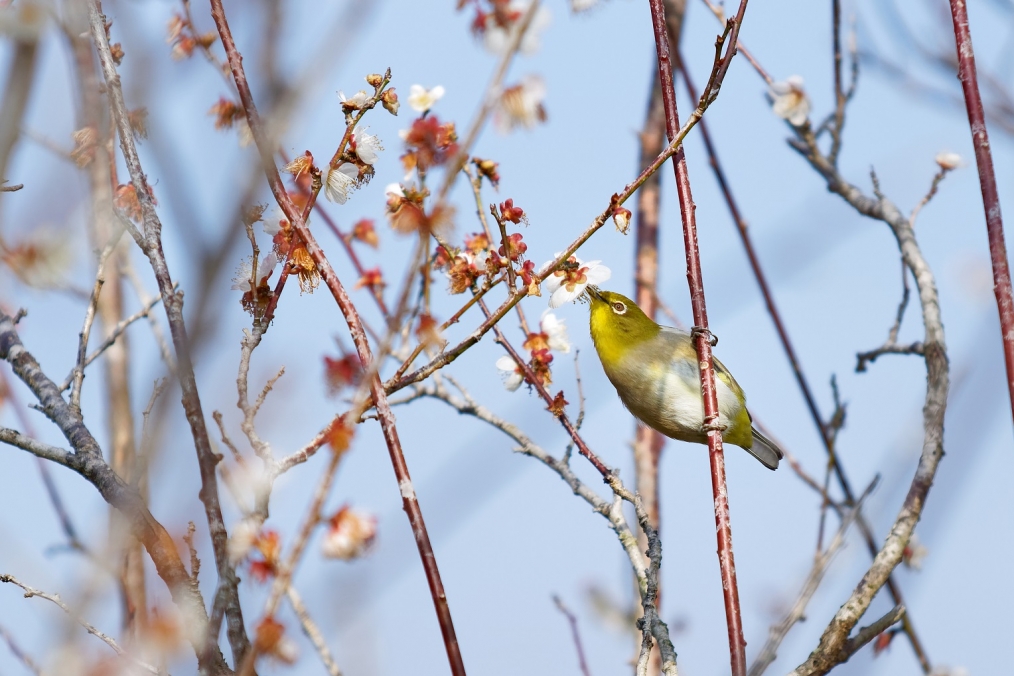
{"x": 730, "y": 590}
{"x": 987, "y": 179}
{"x": 348, "y": 309}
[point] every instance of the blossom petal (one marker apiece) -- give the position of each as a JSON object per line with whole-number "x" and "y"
{"x": 563, "y": 295}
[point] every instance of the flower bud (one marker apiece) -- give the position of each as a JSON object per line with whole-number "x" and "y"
{"x": 621, "y": 217}
{"x": 389, "y": 99}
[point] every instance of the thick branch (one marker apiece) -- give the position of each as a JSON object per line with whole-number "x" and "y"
{"x": 987, "y": 180}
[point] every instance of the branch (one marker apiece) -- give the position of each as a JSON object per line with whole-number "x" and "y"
{"x": 150, "y": 243}
{"x": 351, "y": 314}
{"x": 829, "y": 652}
{"x": 797, "y": 613}
{"x": 312, "y": 632}
{"x": 90, "y": 628}
{"x": 87, "y": 460}
{"x": 824, "y": 430}
{"x": 575, "y": 634}
{"x": 709, "y": 393}
{"x": 987, "y": 181}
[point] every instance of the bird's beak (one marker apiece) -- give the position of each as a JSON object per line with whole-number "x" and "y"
{"x": 594, "y": 293}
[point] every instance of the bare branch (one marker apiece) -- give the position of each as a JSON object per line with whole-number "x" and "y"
{"x": 797, "y": 613}
{"x": 151, "y": 244}
{"x": 572, "y": 620}
{"x": 312, "y": 631}
{"x": 90, "y": 628}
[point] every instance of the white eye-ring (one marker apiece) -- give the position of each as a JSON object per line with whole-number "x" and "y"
{"x": 619, "y": 308}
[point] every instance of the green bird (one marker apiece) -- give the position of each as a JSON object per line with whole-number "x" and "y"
{"x": 654, "y": 370}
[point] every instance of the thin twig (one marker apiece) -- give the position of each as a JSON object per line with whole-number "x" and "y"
{"x": 575, "y": 634}
{"x": 19, "y": 653}
{"x": 778, "y": 632}
{"x": 90, "y": 628}
{"x": 312, "y": 631}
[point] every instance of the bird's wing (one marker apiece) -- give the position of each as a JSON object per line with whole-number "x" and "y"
{"x": 684, "y": 347}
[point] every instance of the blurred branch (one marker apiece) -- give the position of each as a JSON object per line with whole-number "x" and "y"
{"x": 312, "y": 631}
{"x": 90, "y": 628}
{"x": 17, "y": 651}
{"x": 87, "y": 460}
{"x": 489, "y": 99}
{"x": 575, "y": 634}
{"x": 150, "y": 243}
{"x": 20, "y": 74}
{"x": 797, "y": 613}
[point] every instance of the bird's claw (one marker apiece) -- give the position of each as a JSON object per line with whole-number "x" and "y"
{"x": 703, "y": 331}
{"x": 713, "y": 425}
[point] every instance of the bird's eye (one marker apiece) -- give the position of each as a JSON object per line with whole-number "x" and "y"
{"x": 619, "y": 308}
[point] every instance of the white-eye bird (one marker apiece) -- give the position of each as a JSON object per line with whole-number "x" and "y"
{"x": 654, "y": 370}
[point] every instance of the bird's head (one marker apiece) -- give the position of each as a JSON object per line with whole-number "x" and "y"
{"x": 617, "y": 324}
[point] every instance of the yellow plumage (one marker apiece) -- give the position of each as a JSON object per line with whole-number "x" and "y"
{"x": 654, "y": 370}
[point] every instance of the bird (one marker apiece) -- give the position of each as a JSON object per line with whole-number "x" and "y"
{"x": 654, "y": 370}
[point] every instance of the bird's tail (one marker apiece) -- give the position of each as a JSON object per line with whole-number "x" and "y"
{"x": 765, "y": 450}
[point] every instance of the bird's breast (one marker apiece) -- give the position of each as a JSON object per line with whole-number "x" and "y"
{"x": 665, "y": 394}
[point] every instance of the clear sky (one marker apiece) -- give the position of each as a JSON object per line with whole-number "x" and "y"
{"x": 508, "y": 533}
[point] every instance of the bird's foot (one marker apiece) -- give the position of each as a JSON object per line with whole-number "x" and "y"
{"x": 713, "y": 425}
{"x": 703, "y": 331}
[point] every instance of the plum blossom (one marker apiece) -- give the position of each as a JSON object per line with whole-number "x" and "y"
{"x": 241, "y": 282}
{"x": 421, "y": 99}
{"x": 948, "y": 161}
{"x": 556, "y": 332}
{"x": 497, "y": 38}
{"x": 42, "y": 259}
{"x": 357, "y": 101}
{"x": 366, "y": 145}
{"x": 521, "y": 105}
{"x": 341, "y": 180}
{"x": 242, "y": 539}
{"x": 570, "y": 280}
{"x": 511, "y": 372}
{"x": 914, "y": 554}
{"x": 350, "y": 534}
{"x": 789, "y": 100}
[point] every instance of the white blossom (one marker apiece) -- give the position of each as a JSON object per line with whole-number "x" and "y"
{"x": 241, "y": 540}
{"x": 367, "y": 146}
{"x": 340, "y": 182}
{"x": 511, "y": 373}
{"x": 357, "y": 101}
{"x": 241, "y": 282}
{"x": 350, "y": 534}
{"x": 789, "y": 100}
{"x": 570, "y": 280}
{"x": 914, "y": 553}
{"x": 498, "y": 38}
{"x": 948, "y": 161}
{"x": 43, "y": 259}
{"x": 521, "y": 105}
{"x": 421, "y": 99}
{"x": 555, "y": 330}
